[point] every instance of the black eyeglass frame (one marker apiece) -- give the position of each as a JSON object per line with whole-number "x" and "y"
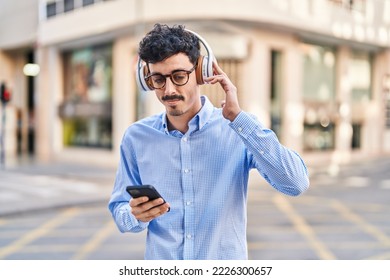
{"x": 188, "y": 72}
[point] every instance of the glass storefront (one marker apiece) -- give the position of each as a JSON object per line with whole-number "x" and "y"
{"x": 276, "y": 93}
{"x": 319, "y": 73}
{"x": 318, "y": 137}
{"x": 360, "y": 76}
{"x": 319, "y": 97}
{"x": 86, "y": 111}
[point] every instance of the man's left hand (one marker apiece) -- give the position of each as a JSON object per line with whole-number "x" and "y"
{"x": 230, "y": 106}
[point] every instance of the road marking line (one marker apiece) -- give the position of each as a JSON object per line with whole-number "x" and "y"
{"x": 42, "y": 230}
{"x": 275, "y": 245}
{"x": 50, "y": 248}
{"x": 361, "y": 223}
{"x": 303, "y": 228}
{"x": 94, "y": 241}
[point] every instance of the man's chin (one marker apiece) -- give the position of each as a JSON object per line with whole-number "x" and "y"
{"x": 175, "y": 112}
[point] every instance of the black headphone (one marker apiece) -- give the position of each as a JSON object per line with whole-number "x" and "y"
{"x": 203, "y": 69}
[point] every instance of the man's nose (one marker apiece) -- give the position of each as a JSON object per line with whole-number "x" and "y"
{"x": 169, "y": 86}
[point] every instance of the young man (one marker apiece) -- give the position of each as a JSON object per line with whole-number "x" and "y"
{"x": 197, "y": 156}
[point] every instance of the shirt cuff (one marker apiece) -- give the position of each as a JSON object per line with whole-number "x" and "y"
{"x": 129, "y": 222}
{"x": 244, "y": 124}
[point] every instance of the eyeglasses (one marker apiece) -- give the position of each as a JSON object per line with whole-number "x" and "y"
{"x": 178, "y": 77}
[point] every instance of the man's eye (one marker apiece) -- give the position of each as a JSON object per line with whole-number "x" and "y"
{"x": 179, "y": 77}
{"x": 158, "y": 79}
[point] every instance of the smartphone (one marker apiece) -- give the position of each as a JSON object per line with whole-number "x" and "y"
{"x": 144, "y": 190}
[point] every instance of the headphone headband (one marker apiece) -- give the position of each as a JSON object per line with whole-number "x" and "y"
{"x": 209, "y": 68}
{"x": 203, "y": 70}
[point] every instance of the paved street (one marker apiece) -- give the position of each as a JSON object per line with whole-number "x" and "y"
{"x": 60, "y": 212}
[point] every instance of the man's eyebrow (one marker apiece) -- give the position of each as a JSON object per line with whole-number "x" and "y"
{"x": 173, "y": 71}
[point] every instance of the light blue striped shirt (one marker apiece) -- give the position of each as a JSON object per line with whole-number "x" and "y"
{"x": 203, "y": 174}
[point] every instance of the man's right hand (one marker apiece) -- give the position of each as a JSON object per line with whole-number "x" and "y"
{"x": 145, "y": 210}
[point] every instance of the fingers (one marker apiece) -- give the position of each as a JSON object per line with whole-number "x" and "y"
{"x": 217, "y": 69}
{"x": 218, "y": 74}
{"x": 215, "y": 79}
{"x": 145, "y": 210}
{"x": 137, "y": 201}
{"x": 220, "y": 77}
{"x": 230, "y": 105}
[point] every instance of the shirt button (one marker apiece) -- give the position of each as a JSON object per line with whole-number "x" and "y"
{"x": 261, "y": 152}
{"x": 186, "y": 170}
{"x": 240, "y": 129}
{"x": 185, "y": 139}
{"x": 189, "y": 236}
{"x": 188, "y": 203}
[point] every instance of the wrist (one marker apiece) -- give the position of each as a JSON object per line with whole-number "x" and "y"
{"x": 232, "y": 115}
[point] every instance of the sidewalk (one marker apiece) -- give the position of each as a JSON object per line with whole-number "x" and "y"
{"x": 33, "y": 186}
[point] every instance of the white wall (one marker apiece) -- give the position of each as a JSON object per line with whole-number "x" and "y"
{"x": 18, "y": 23}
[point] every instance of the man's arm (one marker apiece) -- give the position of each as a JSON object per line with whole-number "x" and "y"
{"x": 127, "y": 174}
{"x": 280, "y": 166}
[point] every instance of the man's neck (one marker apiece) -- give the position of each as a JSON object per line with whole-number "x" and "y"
{"x": 179, "y": 123}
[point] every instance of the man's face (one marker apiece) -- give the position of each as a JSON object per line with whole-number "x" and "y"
{"x": 178, "y": 100}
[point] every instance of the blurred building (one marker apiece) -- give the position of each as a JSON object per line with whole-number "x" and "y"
{"x": 316, "y": 71}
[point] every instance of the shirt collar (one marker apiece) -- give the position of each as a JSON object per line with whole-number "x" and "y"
{"x": 198, "y": 121}
{"x": 206, "y": 111}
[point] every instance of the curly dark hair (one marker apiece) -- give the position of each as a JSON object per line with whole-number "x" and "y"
{"x": 164, "y": 41}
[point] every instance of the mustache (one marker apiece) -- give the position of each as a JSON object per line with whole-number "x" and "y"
{"x": 172, "y": 97}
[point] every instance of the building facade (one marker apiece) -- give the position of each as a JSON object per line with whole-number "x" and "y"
{"x": 315, "y": 71}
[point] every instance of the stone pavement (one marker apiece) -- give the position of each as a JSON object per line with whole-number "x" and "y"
{"x": 32, "y": 185}
{"x": 343, "y": 215}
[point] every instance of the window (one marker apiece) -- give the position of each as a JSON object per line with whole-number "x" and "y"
{"x": 86, "y": 111}
{"x": 87, "y": 2}
{"x": 360, "y": 76}
{"x": 55, "y": 7}
{"x": 51, "y": 9}
{"x": 276, "y": 84}
{"x": 318, "y": 137}
{"x": 319, "y": 73}
{"x": 356, "y": 136}
{"x": 68, "y": 5}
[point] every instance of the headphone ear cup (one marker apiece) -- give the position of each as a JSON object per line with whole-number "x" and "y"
{"x": 204, "y": 69}
{"x": 141, "y": 73}
{"x": 199, "y": 71}
{"x": 147, "y": 82}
